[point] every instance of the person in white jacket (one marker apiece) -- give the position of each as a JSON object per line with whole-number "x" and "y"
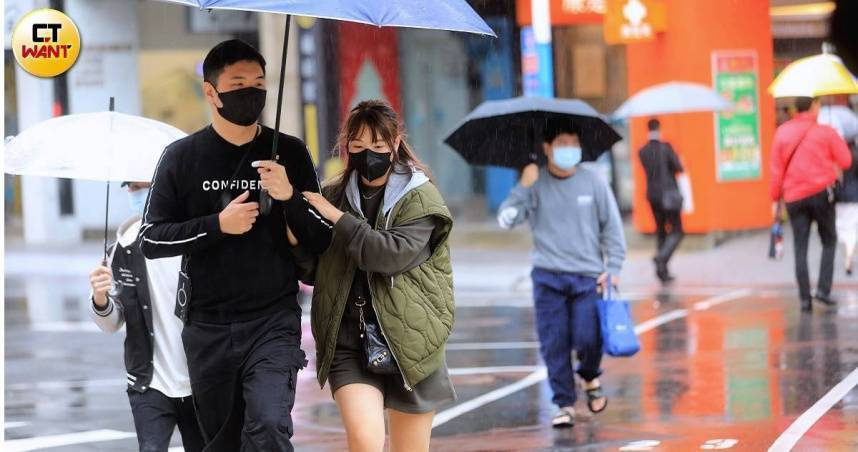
{"x": 140, "y": 293}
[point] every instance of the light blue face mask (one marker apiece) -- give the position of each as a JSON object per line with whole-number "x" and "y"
{"x": 567, "y": 157}
{"x": 137, "y": 200}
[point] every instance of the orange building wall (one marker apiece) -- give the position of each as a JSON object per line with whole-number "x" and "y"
{"x": 696, "y": 28}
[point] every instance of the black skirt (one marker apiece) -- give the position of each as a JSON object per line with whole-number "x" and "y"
{"x": 433, "y": 393}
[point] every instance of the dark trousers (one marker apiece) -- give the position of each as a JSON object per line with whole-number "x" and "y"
{"x": 669, "y": 233}
{"x": 156, "y": 416}
{"x": 567, "y": 319}
{"x": 243, "y": 376}
{"x": 818, "y": 208}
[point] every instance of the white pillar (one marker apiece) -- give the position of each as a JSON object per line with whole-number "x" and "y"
{"x": 106, "y": 67}
{"x": 39, "y": 195}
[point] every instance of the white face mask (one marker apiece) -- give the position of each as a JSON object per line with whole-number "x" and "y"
{"x": 137, "y": 200}
{"x": 567, "y": 157}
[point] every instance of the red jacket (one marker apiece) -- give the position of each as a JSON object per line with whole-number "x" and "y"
{"x": 812, "y": 169}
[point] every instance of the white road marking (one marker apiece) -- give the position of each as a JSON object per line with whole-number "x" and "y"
{"x": 493, "y": 370}
{"x": 539, "y": 375}
{"x": 65, "y": 327}
{"x": 490, "y": 345}
{"x": 647, "y": 444}
{"x": 788, "y": 439}
{"x": 44, "y": 442}
{"x": 715, "y": 301}
{"x": 717, "y": 444}
{"x": 656, "y": 322}
{"x": 489, "y": 397}
{"x": 66, "y": 385}
{"x": 8, "y": 425}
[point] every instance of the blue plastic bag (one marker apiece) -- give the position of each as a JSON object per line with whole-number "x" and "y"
{"x": 618, "y": 328}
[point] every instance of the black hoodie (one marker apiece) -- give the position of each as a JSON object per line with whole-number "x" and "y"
{"x": 234, "y": 277}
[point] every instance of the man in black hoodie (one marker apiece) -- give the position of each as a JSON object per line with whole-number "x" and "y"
{"x": 243, "y": 322}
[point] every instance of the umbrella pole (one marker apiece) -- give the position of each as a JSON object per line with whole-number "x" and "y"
{"x": 106, "y": 206}
{"x": 534, "y": 153}
{"x": 265, "y": 200}
{"x": 280, "y": 91}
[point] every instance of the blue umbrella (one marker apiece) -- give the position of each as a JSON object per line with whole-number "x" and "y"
{"x": 451, "y": 15}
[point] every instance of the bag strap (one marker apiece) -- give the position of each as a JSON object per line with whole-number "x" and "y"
{"x": 360, "y": 288}
{"x": 794, "y": 151}
{"x": 608, "y": 295}
{"x": 779, "y": 211}
{"x": 226, "y": 195}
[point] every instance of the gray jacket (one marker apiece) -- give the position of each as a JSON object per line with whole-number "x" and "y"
{"x": 575, "y": 222}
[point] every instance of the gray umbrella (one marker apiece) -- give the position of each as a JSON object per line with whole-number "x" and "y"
{"x": 509, "y": 132}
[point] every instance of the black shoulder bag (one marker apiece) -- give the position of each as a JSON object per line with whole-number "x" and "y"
{"x": 379, "y": 358}
{"x": 183, "y": 292}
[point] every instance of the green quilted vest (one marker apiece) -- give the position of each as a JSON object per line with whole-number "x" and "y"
{"x": 415, "y": 308}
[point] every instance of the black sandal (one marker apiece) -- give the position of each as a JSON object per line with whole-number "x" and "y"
{"x": 564, "y": 419}
{"x": 594, "y": 395}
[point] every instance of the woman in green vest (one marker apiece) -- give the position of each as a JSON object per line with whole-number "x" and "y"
{"x": 386, "y": 280}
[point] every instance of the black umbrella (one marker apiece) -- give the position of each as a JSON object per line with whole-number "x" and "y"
{"x": 509, "y": 132}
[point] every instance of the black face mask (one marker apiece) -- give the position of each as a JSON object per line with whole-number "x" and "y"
{"x": 371, "y": 165}
{"x": 242, "y": 106}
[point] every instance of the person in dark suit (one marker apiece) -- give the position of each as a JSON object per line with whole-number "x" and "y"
{"x": 661, "y": 165}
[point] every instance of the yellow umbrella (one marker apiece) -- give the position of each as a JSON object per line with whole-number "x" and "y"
{"x": 819, "y": 75}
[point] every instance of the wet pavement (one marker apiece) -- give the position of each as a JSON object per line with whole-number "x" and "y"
{"x": 723, "y": 366}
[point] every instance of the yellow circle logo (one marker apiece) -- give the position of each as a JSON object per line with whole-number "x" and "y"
{"x": 46, "y": 43}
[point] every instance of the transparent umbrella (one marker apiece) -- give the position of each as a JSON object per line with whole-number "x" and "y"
{"x": 104, "y": 146}
{"x": 672, "y": 97}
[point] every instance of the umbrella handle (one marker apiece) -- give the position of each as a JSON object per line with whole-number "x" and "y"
{"x": 265, "y": 202}
{"x": 534, "y": 153}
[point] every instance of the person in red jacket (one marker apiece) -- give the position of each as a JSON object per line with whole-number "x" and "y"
{"x": 805, "y": 158}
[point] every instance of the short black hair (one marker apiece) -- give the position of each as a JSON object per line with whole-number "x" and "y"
{"x": 227, "y": 53}
{"x": 653, "y": 124}
{"x": 556, "y": 128}
{"x": 803, "y": 104}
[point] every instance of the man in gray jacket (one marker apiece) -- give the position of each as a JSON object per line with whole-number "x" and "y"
{"x": 579, "y": 249}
